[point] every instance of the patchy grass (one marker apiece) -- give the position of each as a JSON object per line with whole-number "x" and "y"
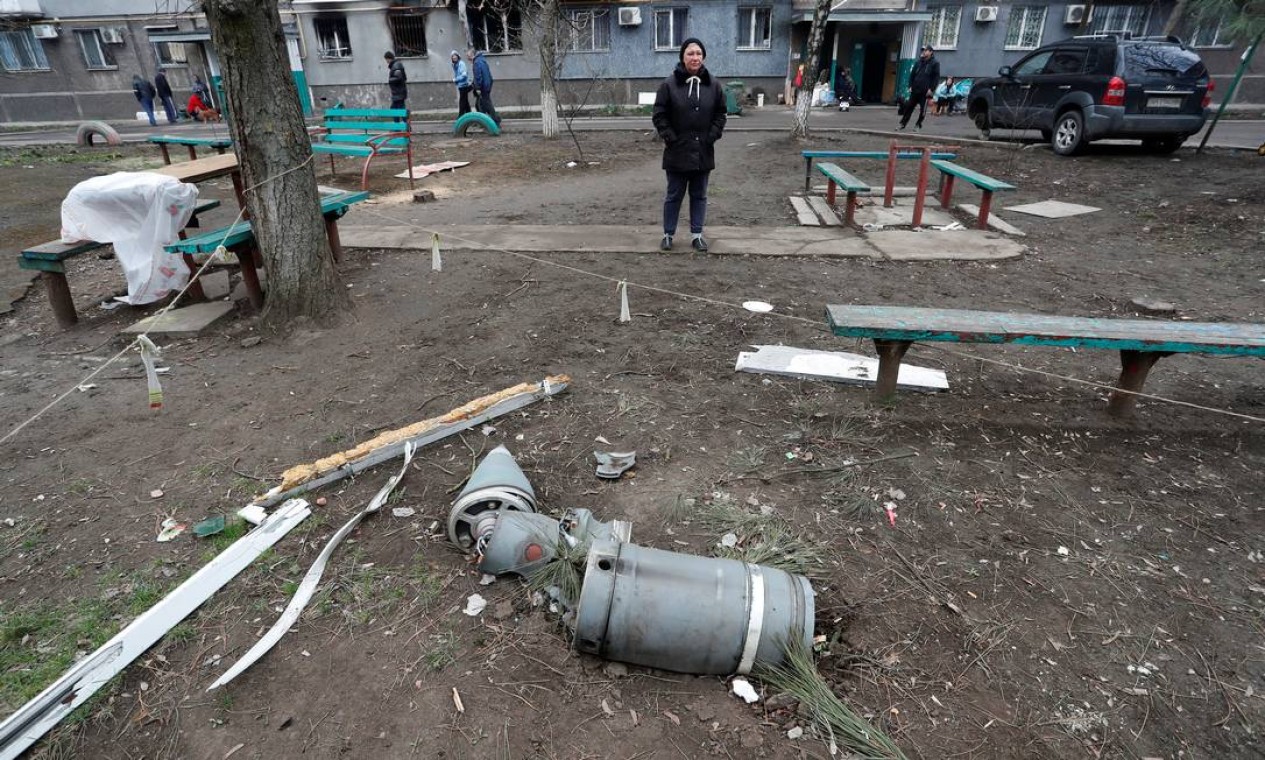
{"x": 764, "y": 538}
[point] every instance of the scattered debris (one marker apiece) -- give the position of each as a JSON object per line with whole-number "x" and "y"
{"x": 611, "y": 465}
{"x": 403, "y": 511}
{"x": 170, "y": 529}
{"x": 759, "y": 307}
{"x": 487, "y": 580}
{"x": 157, "y": 493}
{"x": 209, "y": 527}
{"x": 795, "y": 733}
{"x": 425, "y": 170}
{"x": 475, "y": 604}
{"x": 835, "y": 366}
{"x": 1063, "y": 551}
{"x": 742, "y": 688}
{"x": 251, "y": 342}
{"x": 1153, "y": 306}
{"x": 456, "y": 701}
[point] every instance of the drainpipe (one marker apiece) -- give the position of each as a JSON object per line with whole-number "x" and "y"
{"x": 1244, "y": 62}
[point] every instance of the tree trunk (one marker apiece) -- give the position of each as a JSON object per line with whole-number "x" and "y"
{"x": 804, "y": 97}
{"x": 275, "y": 154}
{"x": 549, "y": 66}
{"x": 465, "y": 24}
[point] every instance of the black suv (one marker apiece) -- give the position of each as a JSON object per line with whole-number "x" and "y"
{"x": 1102, "y": 86}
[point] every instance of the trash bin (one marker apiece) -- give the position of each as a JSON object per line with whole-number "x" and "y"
{"x": 734, "y": 90}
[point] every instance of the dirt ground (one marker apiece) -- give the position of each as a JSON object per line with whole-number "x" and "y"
{"x": 1057, "y": 584}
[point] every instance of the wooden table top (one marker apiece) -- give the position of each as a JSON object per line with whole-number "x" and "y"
{"x": 202, "y": 169}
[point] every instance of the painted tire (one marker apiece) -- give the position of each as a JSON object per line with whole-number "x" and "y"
{"x": 475, "y": 119}
{"x": 89, "y": 129}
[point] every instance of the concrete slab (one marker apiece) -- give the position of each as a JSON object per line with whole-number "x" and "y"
{"x": 597, "y": 238}
{"x": 902, "y": 215}
{"x": 804, "y": 213}
{"x": 936, "y": 245}
{"x": 828, "y": 215}
{"x": 994, "y": 222}
{"x": 215, "y": 285}
{"x": 1053, "y": 209}
{"x": 190, "y": 320}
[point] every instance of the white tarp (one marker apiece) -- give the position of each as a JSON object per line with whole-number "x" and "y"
{"x": 139, "y": 212}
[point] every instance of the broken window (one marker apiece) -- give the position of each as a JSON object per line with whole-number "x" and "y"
{"x": 408, "y": 32}
{"x": 95, "y": 55}
{"x": 589, "y": 30}
{"x": 332, "y": 41}
{"x": 495, "y": 30}
{"x": 168, "y": 53}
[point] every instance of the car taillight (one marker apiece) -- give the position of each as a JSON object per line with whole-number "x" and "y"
{"x": 1115, "y": 92}
{"x": 1208, "y": 93}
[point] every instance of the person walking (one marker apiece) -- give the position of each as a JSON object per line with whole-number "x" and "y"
{"x": 397, "y": 80}
{"x": 163, "y": 89}
{"x": 922, "y": 80}
{"x": 689, "y": 115}
{"x": 483, "y": 84}
{"x": 461, "y": 78}
{"x": 144, "y": 92}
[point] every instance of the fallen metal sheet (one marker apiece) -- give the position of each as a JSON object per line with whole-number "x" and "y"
{"x": 308, "y": 586}
{"x": 24, "y": 727}
{"x": 835, "y": 366}
{"x": 388, "y": 445}
{"x": 611, "y": 464}
{"x": 1053, "y": 209}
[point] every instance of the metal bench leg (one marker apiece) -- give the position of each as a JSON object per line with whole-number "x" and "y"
{"x": 193, "y": 153}
{"x": 364, "y": 174}
{"x": 59, "y": 298}
{"x": 409, "y": 151}
{"x": 946, "y": 190}
{"x": 166, "y": 155}
{"x": 1134, "y": 368}
{"x": 808, "y": 173}
{"x": 335, "y": 243}
{"x": 194, "y": 291}
{"x": 984, "y": 205}
{"x": 890, "y": 352}
{"x": 920, "y": 197}
{"x": 850, "y": 212}
{"x": 250, "y": 275}
{"x": 830, "y": 193}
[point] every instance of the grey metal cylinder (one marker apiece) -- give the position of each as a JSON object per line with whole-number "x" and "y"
{"x": 497, "y": 485}
{"x": 689, "y": 614}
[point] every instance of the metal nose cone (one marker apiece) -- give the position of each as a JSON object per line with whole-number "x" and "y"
{"x": 499, "y": 470}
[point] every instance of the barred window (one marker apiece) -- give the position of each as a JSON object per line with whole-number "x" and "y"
{"x": 21, "y": 51}
{"x": 941, "y": 32}
{"x": 1211, "y": 34}
{"x": 589, "y": 30}
{"x": 332, "y": 40}
{"x": 1120, "y": 18}
{"x": 669, "y": 28}
{"x": 95, "y": 55}
{"x": 495, "y": 31}
{"x": 755, "y": 26}
{"x": 408, "y": 32}
{"x": 1023, "y": 31}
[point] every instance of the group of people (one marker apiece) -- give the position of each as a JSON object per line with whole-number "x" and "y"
{"x": 479, "y": 82}
{"x": 925, "y": 86}
{"x": 147, "y": 92}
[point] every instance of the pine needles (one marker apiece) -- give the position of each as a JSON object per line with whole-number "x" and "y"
{"x": 798, "y": 676}
{"x": 564, "y": 571}
{"x": 763, "y": 539}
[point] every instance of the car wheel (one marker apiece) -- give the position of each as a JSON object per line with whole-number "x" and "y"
{"x": 1069, "y": 133}
{"x": 982, "y": 123}
{"x": 1163, "y": 145}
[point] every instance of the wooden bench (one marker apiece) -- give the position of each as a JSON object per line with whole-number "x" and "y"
{"x": 49, "y": 260}
{"x": 367, "y": 133}
{"x": 1141, "y": 342}
{"x": 220, "y": 144}
{"x": 850, "y": 184}
{"x": 809, "y": 155}
{"x": 240, "y": 239}
{"x": 950, "y": 171}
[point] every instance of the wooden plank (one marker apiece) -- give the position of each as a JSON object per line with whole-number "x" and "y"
{"x": 212, "y": 142}
{"x": 804, "y": 212}
{"x": 58, "y": 250}
{"x": 982, "y": 181}
{"x": 870, "y": 154}
{"x": 827, "y": 214}
{"x": 964, "y": 326}
{"x": 366, "y": 126}
{"x": 201, "y": 169}
{"x": 842, "y": 178}
{"x": 41, "y": 265}
{"x": 372, "y": 113}
{"x": 240, "y": 232}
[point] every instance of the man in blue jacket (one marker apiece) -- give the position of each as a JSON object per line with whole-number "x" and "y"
{"x": 483, "y": 84}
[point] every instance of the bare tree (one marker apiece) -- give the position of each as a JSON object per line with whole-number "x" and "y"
{"x": 266, "y": 122}
{"x": 550, "y": 17}
{"x": 804, "y": 98}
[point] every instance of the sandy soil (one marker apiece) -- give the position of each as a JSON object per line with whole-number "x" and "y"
{"x": 1057, "y": 584}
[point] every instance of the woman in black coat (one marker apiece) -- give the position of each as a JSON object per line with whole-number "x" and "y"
{"x": 689, "y": 115}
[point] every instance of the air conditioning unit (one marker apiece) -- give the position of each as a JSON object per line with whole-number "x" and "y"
{"x": 630, "y": 17}
{"x": 1074, "y": 15}
{"x": 44, "y": 31}
{"x": 986, "y": 13}
{"x": 111, "y": 35}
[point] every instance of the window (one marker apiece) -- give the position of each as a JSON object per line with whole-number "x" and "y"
{"x": 941, "y": 32}
{"x": 95, "y": 54}
{"x": 20, "y": 51}
{"x": 408, "y": 32}
{"x": 1120, "y": 18}
{"x": 755, "y": 28}
{"x": 1033, "y": 64}
{"x": 332, "y": 40}
{"x": 589, "y": 30}
{"x": 669, "y": 28}
{"x": 1210, "y": 34}
{"x": 1023, "y": 31}
{"x": 168, "y": 53}
{"x": 495, "y": 31}
{"x": 1066, "y": 62}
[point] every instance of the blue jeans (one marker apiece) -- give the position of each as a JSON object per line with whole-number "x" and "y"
{"x": 696, "y": 182}
{"x": 147, "y": 105}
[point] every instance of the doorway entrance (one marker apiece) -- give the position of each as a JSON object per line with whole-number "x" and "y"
{"x": 873, "y": 72}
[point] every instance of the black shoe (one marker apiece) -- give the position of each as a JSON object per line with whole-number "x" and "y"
{"x": 666, "y": 243}
{"x": 918, "y": 127}
{"x": 901, "y": 128}
{"x": 700, "y": 244}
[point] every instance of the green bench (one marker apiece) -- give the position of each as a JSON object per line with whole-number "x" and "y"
{"x": 49, "y": 260}
{"x": 950, "y": 171}
{"x": 850, "y": 184}
{"x": 1141, "y": 342}
{"x": 367, "y": 133}
{"x": 220, "y": 144}
{"x": 240, "y": 239}
{"x": 809, "y": 155}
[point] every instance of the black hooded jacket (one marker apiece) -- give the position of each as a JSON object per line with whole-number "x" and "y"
{"x": 689, "y": 115}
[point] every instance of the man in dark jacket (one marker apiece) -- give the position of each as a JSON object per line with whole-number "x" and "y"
{"x": 397, "y": 80}
{"x": 144, "y": 92}
{"x": 164, "y": 92}
{"x": 483, "y": 84}
{"x": 922, "y": 80}
{"x": 689, "y": 115}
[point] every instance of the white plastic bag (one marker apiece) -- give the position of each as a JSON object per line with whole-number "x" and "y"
{"x": 139, "y": 212}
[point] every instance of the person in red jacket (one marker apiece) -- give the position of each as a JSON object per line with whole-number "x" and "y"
{"x": 200, "y": 111}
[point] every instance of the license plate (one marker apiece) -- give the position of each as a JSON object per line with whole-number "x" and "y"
{"x": 1164, "y": 103}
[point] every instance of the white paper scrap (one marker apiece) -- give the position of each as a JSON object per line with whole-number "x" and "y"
{"x": 835, "y": 366}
